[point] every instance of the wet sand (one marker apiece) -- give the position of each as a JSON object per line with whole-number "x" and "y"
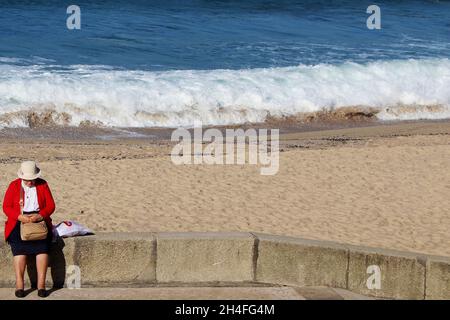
{"x": 384, "y": 185}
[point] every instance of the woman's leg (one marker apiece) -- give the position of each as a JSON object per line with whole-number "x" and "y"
{"x": 41, "y": 266}
{"x": 20, "y": 262}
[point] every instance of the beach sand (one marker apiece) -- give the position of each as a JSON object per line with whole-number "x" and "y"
{"x": 379, "y": 185}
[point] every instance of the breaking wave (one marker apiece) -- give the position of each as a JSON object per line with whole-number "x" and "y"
{"x": 99, "y": 95}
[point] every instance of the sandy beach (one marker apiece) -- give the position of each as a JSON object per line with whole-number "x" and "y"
{"x": 379, "y": 185}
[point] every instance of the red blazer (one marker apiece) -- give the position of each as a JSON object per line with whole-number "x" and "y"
{"x": 11, "y": 206}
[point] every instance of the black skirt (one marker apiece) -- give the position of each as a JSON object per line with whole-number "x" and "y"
{"x": 20, "y": 247}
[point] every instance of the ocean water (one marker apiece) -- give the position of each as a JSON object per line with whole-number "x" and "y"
{"x": 170, "y": 63}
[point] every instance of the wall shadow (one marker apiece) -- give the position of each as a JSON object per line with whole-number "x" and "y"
{"x": 57, "y": 265}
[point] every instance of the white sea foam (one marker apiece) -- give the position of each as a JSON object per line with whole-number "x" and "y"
{"x": 216, "y": 97}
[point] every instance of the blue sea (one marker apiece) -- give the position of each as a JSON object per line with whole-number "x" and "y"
{"x": 170, "y": 63}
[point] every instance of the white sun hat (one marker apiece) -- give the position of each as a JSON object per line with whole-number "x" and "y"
{"x": 29, "y": 171}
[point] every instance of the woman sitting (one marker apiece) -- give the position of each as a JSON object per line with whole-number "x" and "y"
{"x": 28, "y": 200}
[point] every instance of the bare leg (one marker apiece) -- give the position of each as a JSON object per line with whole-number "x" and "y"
{"x": 20, "y": 262}
{"x": 41, "y": 266}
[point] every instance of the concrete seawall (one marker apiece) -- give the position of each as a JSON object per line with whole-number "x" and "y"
{"x": 216, "y": 259}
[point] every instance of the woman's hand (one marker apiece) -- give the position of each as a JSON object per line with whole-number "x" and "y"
{"x": 24, "y": 219}
{"x": 36, "y": 218}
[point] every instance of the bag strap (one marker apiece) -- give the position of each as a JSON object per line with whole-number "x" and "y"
{"x": 21, "y": 199}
